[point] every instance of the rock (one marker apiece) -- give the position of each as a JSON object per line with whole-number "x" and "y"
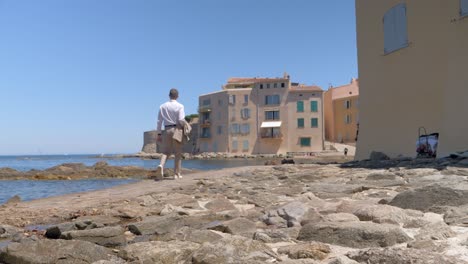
{"x": 377, "y": 156}
{"x": 456, "y": 216}
{"x": 99, "y": 220}
{"x": 292, "y": 213}
{"x": 13, "y": 200}
{"x": 426, "y": 197}
{"x": 277, "y": 235}
{"x": 238, "y": 226}
{"x": 386, "y": 214}
{"x": 156, "y": 225}
{"x": 53, "y": 251}
{"x": 159, "y": 252}
{"x": 106, "y": 236}
{"x": 233, "y": 249}
{"x": 170, "y": 209}
{"x": 436, "y": 231}
{"x": 219, "y": 205}
{"x": 342, "y": 260}
{"x": 8, "y": 231}
{"x": 340, "y": 217}
{"x": 194, "y": 235}
{"x": 402, "y": 256}
{"x": 54, "y": 232}
{"x": 353, "y": 234}
{"x": 312, "y": 250}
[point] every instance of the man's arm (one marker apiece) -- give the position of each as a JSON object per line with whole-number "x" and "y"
{"x": 158, "y": 126}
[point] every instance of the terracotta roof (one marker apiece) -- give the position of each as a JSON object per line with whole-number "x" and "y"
{"x": 305, "y": 88}
{"x": 239, "y": 80}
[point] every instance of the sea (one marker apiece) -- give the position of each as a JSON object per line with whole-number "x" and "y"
{"x": 33, "y": 189}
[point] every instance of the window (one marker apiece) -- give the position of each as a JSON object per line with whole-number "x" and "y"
{"x": 268, "y": 86}
{"x": 246, "y": 98}
{"x": 282, "y": 85}
{"x": 245, "y": 145}
{"x": 232, "y": 99}
{"x": 348, "y": 119}
{"x": 245, "y": 129}
{"x": 206, "y": 132}
{"x": 347, "y": 104}
{"x": 235, "y": 129}
{"x": 313, "y": 106}
{"x": 206, "y": 102}
{"x": 395, "y": 28}
{"x": 245, "y": 113}
{"x": 220, "y": 102}
{"x": 272, "y": 115}
{"x": 272, "y": 99}
{"x": 261, "y": 86}
{"x": 305, "y": 142}
{"x": 300, "y": 106}
{"x": 234, "y": 145}
{"x": 314, "y": 122}
{"x": 300, "y": 122}
{"x": 233, "y": 114}
{"x": 219, "y": 115}
{"x": 275, "y": 85}
{"x": 463, "y": 7}
{"x": 220, "y": 130}
{"x": 215, "y": 146}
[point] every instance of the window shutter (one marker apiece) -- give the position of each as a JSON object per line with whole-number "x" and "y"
{"x": 395, "y": 28}
{"x": 300, "y": 106}
{"x": 463, "y": 7}
{"x": 313, "y": 106}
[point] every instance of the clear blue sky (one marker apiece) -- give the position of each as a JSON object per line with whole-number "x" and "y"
{"x": 87, "y": 76}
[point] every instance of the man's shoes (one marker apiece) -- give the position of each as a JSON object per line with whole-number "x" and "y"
{"x": 159, "y": 173}
{"x": 177, "y": 176}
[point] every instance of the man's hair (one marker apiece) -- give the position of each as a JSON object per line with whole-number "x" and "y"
{"x": 173, "y": 93}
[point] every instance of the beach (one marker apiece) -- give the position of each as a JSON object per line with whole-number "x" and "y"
{"x": 404, "y": 211}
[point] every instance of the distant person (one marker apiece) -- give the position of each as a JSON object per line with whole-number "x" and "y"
{"x": 172, "y": 115}
{"x": 346, "y": 152}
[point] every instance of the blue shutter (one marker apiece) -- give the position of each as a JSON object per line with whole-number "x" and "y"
{"x": 395, "y": 28}
{"x": 463, "y": 7}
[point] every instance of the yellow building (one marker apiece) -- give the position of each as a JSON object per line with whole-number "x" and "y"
{"x": 341, "y": 111}
{"x": 412, "y": 58}
{"x": 262, "y": 116}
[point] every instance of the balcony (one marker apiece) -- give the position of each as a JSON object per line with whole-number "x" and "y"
{"x": 204, "y": 108}
{"x": 205, "y": 123}
{"x": 271, "y": 136}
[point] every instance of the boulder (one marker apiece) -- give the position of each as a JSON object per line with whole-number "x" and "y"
{"x": 8, "y": 231}
{"x": 402, "y": 256}
{"x": 54, "y": 232}
{"x": 277, "y": 235}
{"x": 219, "y": 205}
{"x": 237, "y": 226}
{"x": 386, "y": 214}
{"x": 54, "y": 251}
{"x": 424, "y": 198}
{"x": 312, "y": 250}
{"x": 156, "y": 225}
{"x": 354, "y": 234}
{"x": 159, "y": 252}
{"x": 436, "y": 231}
{"x": 340, "y": 217}
{"x": 234, "y": 249}
{"x": 105, "y": 236}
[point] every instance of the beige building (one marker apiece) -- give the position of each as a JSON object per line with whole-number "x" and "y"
{"x": 262, "y": 116}
{"x": 412, "y": 58}
{"x": 341, "y": 111}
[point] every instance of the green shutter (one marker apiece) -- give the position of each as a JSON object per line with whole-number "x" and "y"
{"x": 314, "y": 106}
{"x": 300, "y": 106}
{"x": 314, "y": 122}
{"x": 305, "y": 142}
{"x": 300, "y": 122}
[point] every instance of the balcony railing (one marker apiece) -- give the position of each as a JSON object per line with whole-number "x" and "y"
{"x": 204, "y": 108}
{"x": 205, "y": 123}
{"x": 274, "y": 136}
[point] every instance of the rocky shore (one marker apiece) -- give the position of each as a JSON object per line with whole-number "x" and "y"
{"x": 376, "y": 211}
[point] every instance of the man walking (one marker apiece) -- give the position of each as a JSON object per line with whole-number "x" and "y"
{"x": 172, "y": 115}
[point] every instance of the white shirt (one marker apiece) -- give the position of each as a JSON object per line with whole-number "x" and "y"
{"x": 170, "y": 113}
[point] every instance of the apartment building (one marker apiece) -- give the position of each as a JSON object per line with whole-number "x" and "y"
{"x": 262, "y": 116}
{"x": 412, "y": 58}
{"x": 341, "y": 111}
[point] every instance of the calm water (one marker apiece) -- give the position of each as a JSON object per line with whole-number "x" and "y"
{"x": 30, "y": 190}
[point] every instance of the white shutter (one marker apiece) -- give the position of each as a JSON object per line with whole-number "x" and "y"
{"x": 395, "y": 28}
{"x": 463, "y": 7}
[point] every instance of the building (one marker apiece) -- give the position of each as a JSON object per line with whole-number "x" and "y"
{"x": 262, "y": 116}
{"x": 412, "y": 58}
{"x": 341, "y": 112}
